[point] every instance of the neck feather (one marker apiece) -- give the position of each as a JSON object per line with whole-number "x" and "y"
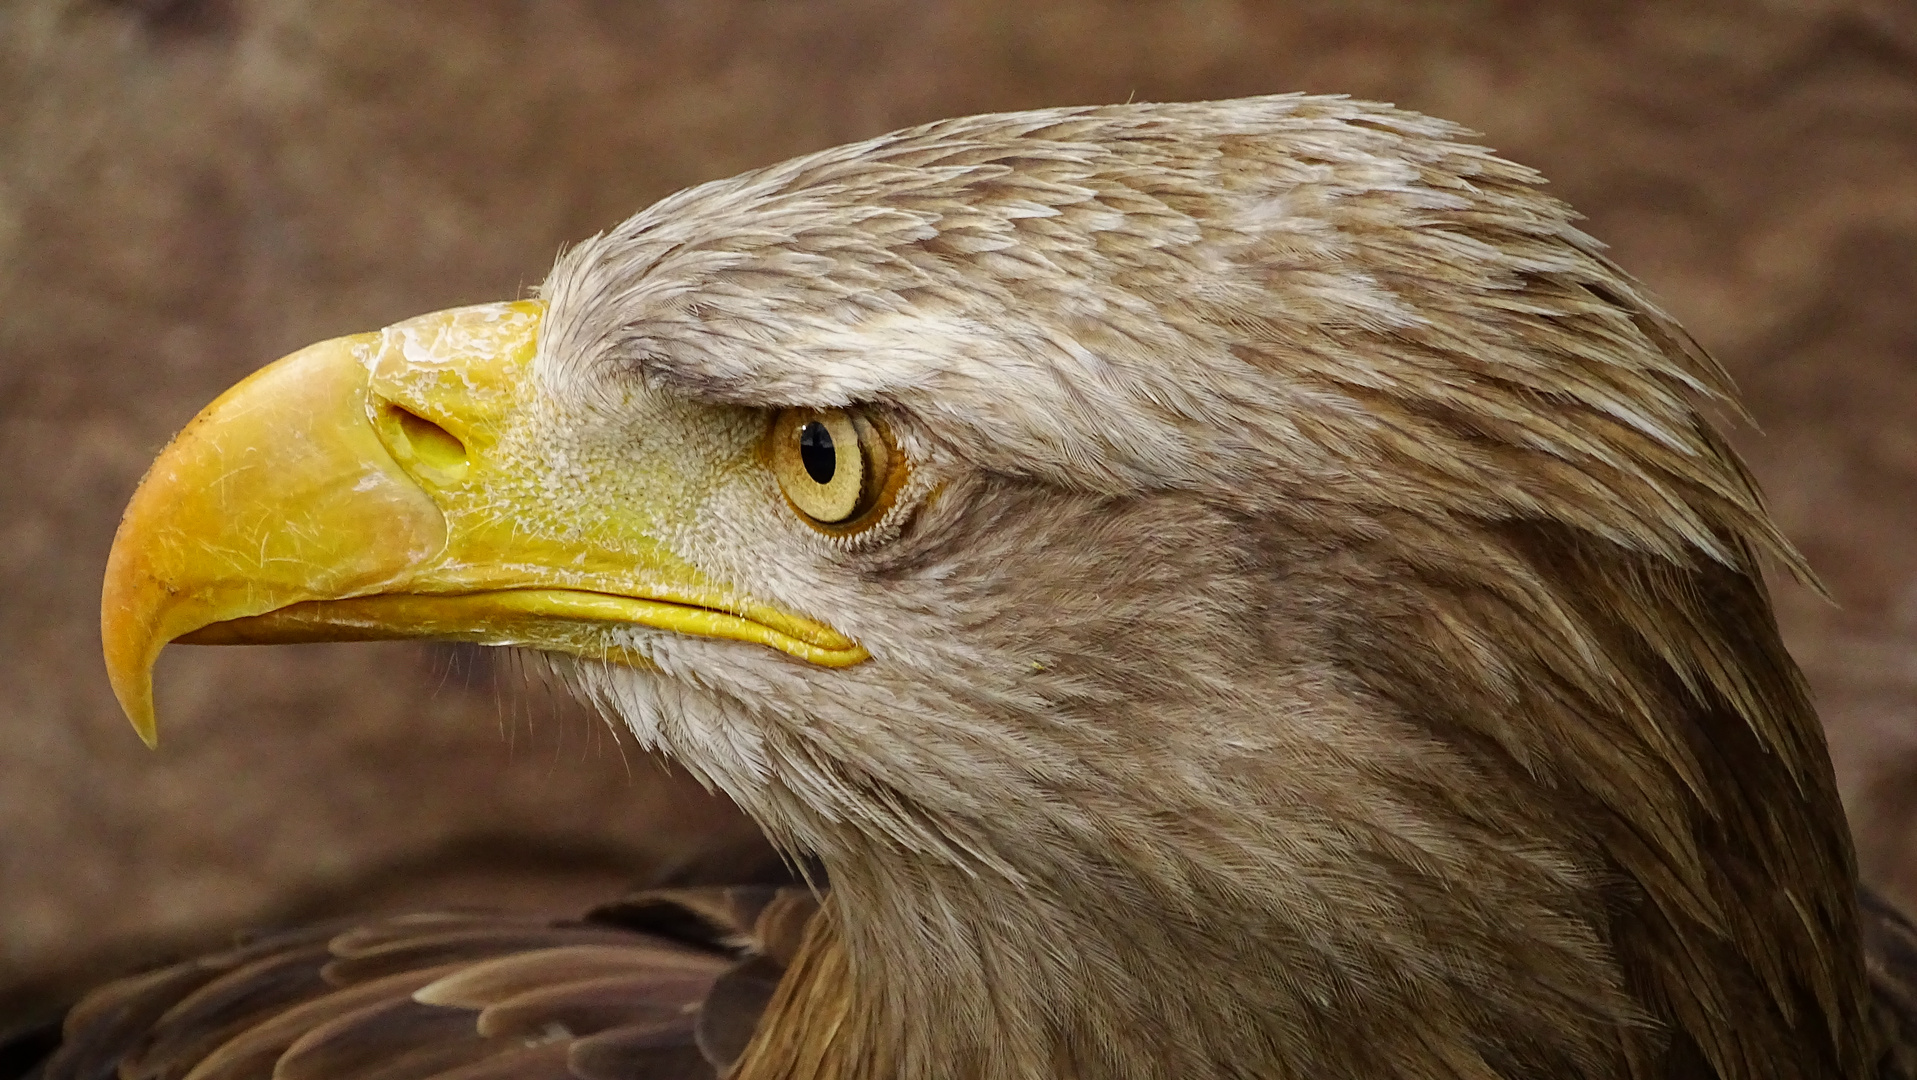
{"x": 1517, "y": 870}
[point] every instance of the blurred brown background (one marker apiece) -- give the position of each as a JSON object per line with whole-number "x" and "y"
{"x": 190, "y": 188}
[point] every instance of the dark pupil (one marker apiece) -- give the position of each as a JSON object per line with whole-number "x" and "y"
{"x": 815, "y": 450}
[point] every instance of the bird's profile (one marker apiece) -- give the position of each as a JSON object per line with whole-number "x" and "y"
{"x": 1241, "y": 589}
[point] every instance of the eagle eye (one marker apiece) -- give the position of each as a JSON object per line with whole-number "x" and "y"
{"x": 833, "y": 465}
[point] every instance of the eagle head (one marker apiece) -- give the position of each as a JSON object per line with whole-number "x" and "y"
{"x": 1222, "y": 589}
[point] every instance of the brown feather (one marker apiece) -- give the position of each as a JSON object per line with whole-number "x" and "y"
{"x": 394, "y": 1039}
{"x": 356, "y": 963}
{"x": 664, "y": 1050}
{"x": 458, "y": 996}
{"x": 221, "y": 1009}
{"x": 803, "y": 1033}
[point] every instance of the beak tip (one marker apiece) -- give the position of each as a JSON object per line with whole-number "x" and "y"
{"x": 136, "y": 700}
{"x": 129, "y": 648}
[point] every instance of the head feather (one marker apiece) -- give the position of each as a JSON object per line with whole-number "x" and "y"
{"x": 1337, "y": 598}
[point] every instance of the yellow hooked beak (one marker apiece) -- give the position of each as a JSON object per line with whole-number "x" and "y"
{"x": 380, "y": 486}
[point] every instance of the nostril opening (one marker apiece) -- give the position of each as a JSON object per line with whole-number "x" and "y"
{"x": 433, "y": 445}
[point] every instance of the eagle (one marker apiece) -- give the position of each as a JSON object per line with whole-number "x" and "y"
{"x": 1204, "y": 590}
